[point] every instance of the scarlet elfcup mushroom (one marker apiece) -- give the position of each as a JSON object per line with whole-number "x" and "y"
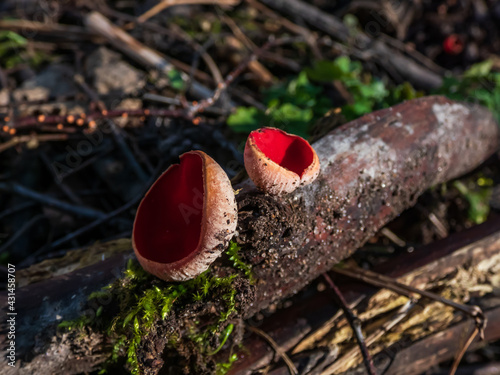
{"x": 185, "y": 219}
{"x": 453, "y": 44}
{"x": 278, "y": 162}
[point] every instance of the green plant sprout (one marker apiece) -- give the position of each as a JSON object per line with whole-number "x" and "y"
{"x": 478, "y": 198}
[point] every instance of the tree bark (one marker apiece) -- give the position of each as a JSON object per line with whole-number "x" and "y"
{"x": 371, "y": 170}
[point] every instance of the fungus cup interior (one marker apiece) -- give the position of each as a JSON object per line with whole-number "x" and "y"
{"x": 287, "y": 150}
{"x": 169, "y": 218}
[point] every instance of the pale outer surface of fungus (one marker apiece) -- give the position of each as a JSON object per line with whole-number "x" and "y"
{"x": 219, "y": 220}
{"x": 272, "y": 178}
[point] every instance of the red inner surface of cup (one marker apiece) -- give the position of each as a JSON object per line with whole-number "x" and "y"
{"x": 289, "y": 151}
{"x": 169, "y": 219}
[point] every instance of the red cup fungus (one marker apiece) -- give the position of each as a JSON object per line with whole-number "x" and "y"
{"x": 453, "y": 44}
{"x": 278, "y": 162}
{"x": 185, "y": 219}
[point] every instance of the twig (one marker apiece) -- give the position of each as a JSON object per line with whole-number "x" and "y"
{"x": 162, "y": 5}
{"x": 99, "y": 24}
{"x": 89, "y": 119}
{"x": 52, "y": 202}
{"x": 129, "y": 156}
{"x": 306, "y": 33}
{"x": 106, "y": 217}
{"x": 355, "y": 325}
{"x": 32, "y": 138}
{"x": 386, "y": 282}
{"x": 381, "y": 52}
{"x": 70, "y": 32}
{"x": 27, "y": 225}
{"x": 70, "y": 236}
{"x": 276, "y": 347}
{"x": 371, "y": 339}
{"x": 393, "y": 237}
{"x": 241, "y": 39}
{"x": 440, "y": 227}
{"x": 202, "y": 105}
{"x": 460, "y": 355}
{"x": 64, "y": 188}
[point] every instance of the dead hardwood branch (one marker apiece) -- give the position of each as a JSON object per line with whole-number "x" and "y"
{"x": 371, "y": 170}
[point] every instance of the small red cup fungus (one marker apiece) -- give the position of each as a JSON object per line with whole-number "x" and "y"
{"x": 185, "y": 219}
{"x": 453, "y": 44}
{"x": 278, "y": 162}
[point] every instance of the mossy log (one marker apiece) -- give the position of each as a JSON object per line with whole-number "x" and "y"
{"x": 372, "y": 169}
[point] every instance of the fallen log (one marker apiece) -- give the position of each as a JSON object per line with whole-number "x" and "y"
{"x": 371, "y": 170}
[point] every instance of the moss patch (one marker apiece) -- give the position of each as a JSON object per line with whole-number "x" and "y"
{"x": 129, "y": 309}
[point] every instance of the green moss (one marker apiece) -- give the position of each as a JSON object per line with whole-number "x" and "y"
{"x": 223, "y": 368}
{"x": 233, "y": 253}
{"x": 140, "y": 300}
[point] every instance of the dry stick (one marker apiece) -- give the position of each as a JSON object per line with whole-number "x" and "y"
{"x": 203, "y": 104}
{"x": 371, "y": 339}
{"x": 71, "y": 32}
{"x": 168, "y": 3}
{"x": 355, "y": 324}
{"x": 99, "y": 24}
{"x": 379, "y": 51}
{"x": 392, "y": 236}
{"x": 26, "y": 226}
{"x": 440, "y": 227}
{"x": 386, "y": 282}
{"x": 306, "y": 33}
{"x": 116, "y": 131}
{"x": 34, "y": 122}
{"x": 156, "y": 28}
{"x": 432, "y": 350}
{"x": 52, "y": 202}
{"x": 63, "y": 186}
{"x": 255, "y": 66}
{"x": 29, "y": 122}
{"x": 460, "y": 355}
{"x": 276, "y": 347}
{"x": 30, "y": 138}
{"x": 92, "y": 225}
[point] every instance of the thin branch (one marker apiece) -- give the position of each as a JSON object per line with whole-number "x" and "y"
{"x": 162, "y": 5}
{"x": 460, "y": 355}
{"x": 355, "y": 325}
{"x": 386, "y": 282}
{"x": 99, "y": 24}
{"x": 50, "y": 201}
{"x": 31, "y": 138}
{"x": 402, "y": 313}
{"x": 27, "y": 225}
{"x": 276, "y": 347}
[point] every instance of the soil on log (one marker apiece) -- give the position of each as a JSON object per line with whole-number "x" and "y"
{"x": 372, "y": 169}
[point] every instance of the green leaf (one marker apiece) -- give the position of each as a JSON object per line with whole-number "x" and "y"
{"x": 292, "y": 118}
{"x": 479, "y": 70}
{"x": 245, "y": 119}
{"x": 175, "y": 79}
{"x": 479, "y": 208}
